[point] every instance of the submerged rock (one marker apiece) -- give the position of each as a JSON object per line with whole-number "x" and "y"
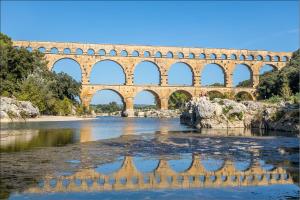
{"x": 12, "y": 108}
{"x": 224, "y": 113}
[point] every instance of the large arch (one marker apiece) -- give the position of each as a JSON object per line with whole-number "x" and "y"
{"x": 180, "y": 73}
{"x": 267, "y": 68}
{"x": 242, "y": 76}
{"x": 147, "y": 97}
{"x": 107, "y": 72}
{"x": 215, "y": 94}
{"x": 146, "y": 72}
{"x": 178, "y": 99}
{"x": 69, "y": 66}
{"x": 244, "y": 96}
{"x": 213, "y": 75}
{"x": 105, "y": 97}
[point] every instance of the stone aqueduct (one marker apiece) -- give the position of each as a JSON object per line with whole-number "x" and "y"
{"x": 128, "y": 177}
{"x": 129, "y": 56}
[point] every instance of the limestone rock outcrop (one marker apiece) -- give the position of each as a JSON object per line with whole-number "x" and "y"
{"x": 224, "y": 113}
{"x": 12, "y": 108}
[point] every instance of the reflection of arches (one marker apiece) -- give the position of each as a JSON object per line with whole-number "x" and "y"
{"x": 243, "y": 96}
{"x": 147, "y": 72}
{"x": 266, "y": 166}
{"x": 180, "y": 73}
{"x": 107, "y": 72}
{"x": 145, "y": 165}
{"x": 109, "y": 168}
{"x": 69, "y": 66}
{"x": 157, "y": 100}
{"x": 212, "y": 165}
{"x": 182, "y": 164}
{"x": 178, "y": 99}
{"x": 242, "y": 76}
{"x": 213, "y": 75}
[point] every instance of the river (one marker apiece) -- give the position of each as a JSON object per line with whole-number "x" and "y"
{"x": 145, "y": 158}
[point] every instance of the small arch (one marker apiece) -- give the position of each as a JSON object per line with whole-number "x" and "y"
{"x": 250, "y": 57}
{"x": 224, "y": 56}
{"x": 213, "y": 56}
{"x": 259, "y": 58}
{"x": 215, "y": 94}
{"x": 124, "y": 53}
{"x": 79, "y": 51}
{"x": 135, "y": 54}
{"x": 90, "y": 52}
{"x": 285, "y": 59}
{"x": 42, "y": 49}
{"x": 243, "y": 96}
{"x": 180, "y": 73}
{"x": 213, "y": 75}
{"x": 54, "y": 50}
{"x": 242, "y": 57}
{"x": 276, "y": 58}
{"x": 146, "y": 72}
{"x": 268, "y": 58}
{"x": 67, "y": 51}
{"x": 180, "y": 55}
{"x": 191, "y": 56}
{"x": 112, "y": 52}
{"x": 233, "y": 56}
{"x": 178, "y": 99}
{"x": 146, "y": 54}
{"x": 102, "y": 52}
{"x": 158, "y": 54}
{"x": 107, "y": 72}
{"x": 169, "y": 54}
{"x": 202, "y": 56}
{"x": 147, "y": 99}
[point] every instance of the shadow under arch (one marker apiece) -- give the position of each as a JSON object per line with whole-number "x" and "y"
{"x": 110, "y": 62}
{"x": 185, "y": 65}
{"x": 217, "y": 67}
{"x": 242, "y": 66}
{"x": 140, "y": 65}
{"x": 214, "y": 94}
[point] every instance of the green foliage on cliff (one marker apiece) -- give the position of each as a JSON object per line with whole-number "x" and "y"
{"x": 24, "y": 74}
{"x": 178, "y": 99}
{"x": 284, "y": 82}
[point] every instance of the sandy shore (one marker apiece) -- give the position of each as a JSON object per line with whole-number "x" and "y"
{"x": 48, "y": 118}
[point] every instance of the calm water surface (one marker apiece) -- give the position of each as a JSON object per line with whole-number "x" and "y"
{"x": 143, "y": 158}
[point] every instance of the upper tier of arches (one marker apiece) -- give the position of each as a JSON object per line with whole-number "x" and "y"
{"x": 154, "y": 52}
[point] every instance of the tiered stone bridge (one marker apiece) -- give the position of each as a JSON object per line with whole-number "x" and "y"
{"x": 129, "y": 56}
{"x": 128, "y": 177}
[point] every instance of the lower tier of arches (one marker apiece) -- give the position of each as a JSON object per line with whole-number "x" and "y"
{"x": 161, "y": 93}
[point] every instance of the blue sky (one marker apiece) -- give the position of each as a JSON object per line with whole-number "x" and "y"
{"x": 246, "y": 25}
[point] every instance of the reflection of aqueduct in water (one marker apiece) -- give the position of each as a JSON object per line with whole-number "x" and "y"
{"x": 163, "y": 176}
{"x": 128, "y": 57}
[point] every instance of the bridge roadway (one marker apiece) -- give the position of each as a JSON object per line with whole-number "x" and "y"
{"x": 128, "y": 177}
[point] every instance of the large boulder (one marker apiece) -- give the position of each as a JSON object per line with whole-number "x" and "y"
{"x": 12, "y": 108}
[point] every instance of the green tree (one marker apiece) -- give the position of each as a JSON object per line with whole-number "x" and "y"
{"x": 178, "y": 99}
{"x": 245, "y": 83}
{"x": 216, "y": 85}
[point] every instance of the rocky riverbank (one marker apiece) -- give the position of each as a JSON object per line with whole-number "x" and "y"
{"x": 13, "y": 109}
{"x": 224, "y": 113}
